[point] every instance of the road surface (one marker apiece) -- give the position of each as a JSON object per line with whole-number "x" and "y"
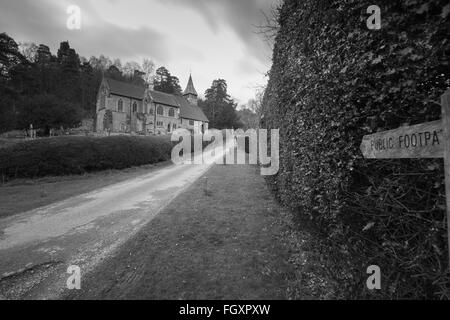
{"x": 38, "y": 246}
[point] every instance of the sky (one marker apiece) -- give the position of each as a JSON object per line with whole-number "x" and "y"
{"x": 210, "y": 38}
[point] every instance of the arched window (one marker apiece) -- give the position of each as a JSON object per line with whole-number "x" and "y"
{"x": 102, "y": 101}
{"x": 120, "y": 105}
{"x": 160, "y": 111}
{"x": 134, "y": 107}
{"x": 103, "y": 98}
{"x": 150, "y": 111}
{"x": 171, "y": 113}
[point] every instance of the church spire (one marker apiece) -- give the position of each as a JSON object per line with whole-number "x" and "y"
{"x": 190, "y": 90}
{"x": 190, "y": 93}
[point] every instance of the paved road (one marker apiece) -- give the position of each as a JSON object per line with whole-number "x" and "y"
{"x": 36, "y": 247}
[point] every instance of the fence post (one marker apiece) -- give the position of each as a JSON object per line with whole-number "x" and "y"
{"x": 205, "y": 186}
{"x": 445, "y": 103}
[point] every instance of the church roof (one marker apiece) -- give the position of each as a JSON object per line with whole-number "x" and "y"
{"x": 187, "y": 110}
{"x": 190, "y": 111}
{"x": 190, "y": 88}
{"x": 125, "y": 89}
{"x": 164, "y": 98}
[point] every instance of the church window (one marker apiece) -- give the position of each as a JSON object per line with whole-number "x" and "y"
{"x": 171, "y": 113}
{"x": 103, "y": 100}
{"x": 160, "y": 111}
{"x": 120, "y": 105}
{"x": 134, "y": 107}
{"x": 191, "y": 122}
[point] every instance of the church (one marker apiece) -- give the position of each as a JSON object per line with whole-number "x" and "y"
{"x": 127, "y": 108}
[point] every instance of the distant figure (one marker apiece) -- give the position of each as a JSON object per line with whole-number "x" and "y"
{"x": 32, "y": 132}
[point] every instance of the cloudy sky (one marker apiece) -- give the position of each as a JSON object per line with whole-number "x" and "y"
{"x": 213, "y": 38}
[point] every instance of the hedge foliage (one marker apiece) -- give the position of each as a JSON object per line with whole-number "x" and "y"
{"x": 332, "y": 81}
{"x": 77, "y": 155}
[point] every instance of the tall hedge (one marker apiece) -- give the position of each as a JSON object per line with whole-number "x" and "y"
{"x": 77, "y": 155}
{"x": 333, "y": 80}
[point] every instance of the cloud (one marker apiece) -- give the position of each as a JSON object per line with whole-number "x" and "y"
{"x": 213, "y": 38}
{"x": 242, "y": 16}
{"x": 246, "y": 66}
{"x": 41, "y": 22}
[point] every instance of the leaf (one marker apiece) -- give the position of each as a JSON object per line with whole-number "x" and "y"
{"x": 394, "y": 89}
{"x": 423, "y": 8}
{"x": 368, "y": 226}
{"x": 416, "y": 57}
{"x": 406, "y": 51}
{"x": 445, "y": 11}
{"x": 390, "y": 71}
{"x": 377, "y": 60}
{"x": 436, "y": 249}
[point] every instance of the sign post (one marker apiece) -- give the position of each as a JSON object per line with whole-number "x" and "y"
{"x": 425, "y": 140}
{"x": 445, "y": 103}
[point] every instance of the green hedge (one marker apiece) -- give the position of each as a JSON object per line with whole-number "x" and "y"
{"x": 77, "y": 155}
{"x": 332, "y": 82}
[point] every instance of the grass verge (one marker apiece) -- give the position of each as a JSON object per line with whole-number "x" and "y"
{"x": 232, "y": 241}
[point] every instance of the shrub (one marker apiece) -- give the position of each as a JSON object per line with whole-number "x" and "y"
{"x": 77, "y": 155}
{"x": 332, "y": 82}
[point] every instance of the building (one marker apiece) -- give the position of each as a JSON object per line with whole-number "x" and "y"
{"x": 126, "y": 108}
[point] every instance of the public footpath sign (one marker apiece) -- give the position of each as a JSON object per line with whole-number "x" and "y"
{"x": 420, "y": 141}
{"x": 425, "y": 140}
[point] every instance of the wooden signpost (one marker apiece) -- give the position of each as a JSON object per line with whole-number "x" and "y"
{"x": 425, "y": 140}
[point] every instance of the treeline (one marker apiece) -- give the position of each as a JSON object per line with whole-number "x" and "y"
{"x": 49, "y": 91}
{"x": 333, "y": 81}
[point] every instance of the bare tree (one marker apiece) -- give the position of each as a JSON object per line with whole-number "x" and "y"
{"x": 28, "y": 50}
{"x": 130, "y": 67}
{"x": 148, "y": 67}
{"x": 268, "y": 29}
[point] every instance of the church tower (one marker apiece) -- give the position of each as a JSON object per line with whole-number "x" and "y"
{"x": 190, "y": 94}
